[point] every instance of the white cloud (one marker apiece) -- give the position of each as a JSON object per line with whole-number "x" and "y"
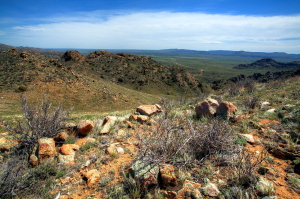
{"x": 161, "y": 30}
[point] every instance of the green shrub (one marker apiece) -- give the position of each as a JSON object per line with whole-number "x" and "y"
{"x": 240, "y": 141}
{"x": 87, "y": 146}
{"x": 70, "y": 140}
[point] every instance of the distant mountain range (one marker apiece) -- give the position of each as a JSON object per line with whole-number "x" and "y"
{"x": 56, "y": 52}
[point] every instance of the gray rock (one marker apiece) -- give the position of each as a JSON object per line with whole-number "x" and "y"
{"x": 146, "y": 173}
{"x": 249, "y": 138}
{"x": 264, "y": 187}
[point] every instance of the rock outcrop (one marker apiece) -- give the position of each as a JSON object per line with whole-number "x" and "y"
{"x": 207, "y": 108}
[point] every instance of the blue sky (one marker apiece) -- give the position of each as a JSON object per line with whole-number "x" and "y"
{"x": 256, "y": 25}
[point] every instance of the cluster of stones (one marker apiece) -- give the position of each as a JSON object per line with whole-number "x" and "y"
{"x": 46, "y": 149}
{"x": 150, "y": 174}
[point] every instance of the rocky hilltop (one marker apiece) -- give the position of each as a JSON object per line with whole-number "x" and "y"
{"x": 136, "y": 72}
{"x": 270, "y": 64}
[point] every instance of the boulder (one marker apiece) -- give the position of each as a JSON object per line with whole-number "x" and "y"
{"x": 85, "y": 127}
{"x": 264, "y": 105}
{"x": 190, "y": 190}
{"x": 167, "y": 175}
{"x": 92, "y": 177}
{"x": 226, "y": 110}
{"x": 149, "y": 109}
{"x": 207, "y": 108}
{"x": 66, "y": 159}
{"x": 46, "y": 149}
{"x": 108, "y": 122}
{"x": 144, "y": 172}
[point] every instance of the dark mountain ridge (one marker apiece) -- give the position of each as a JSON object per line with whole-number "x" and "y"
{"x": 269, "y": 63}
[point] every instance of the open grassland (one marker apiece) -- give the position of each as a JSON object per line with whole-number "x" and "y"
{"x": 211, "y": 68}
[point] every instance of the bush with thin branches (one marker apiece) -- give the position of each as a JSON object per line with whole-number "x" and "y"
{"x": 17, "y": 177}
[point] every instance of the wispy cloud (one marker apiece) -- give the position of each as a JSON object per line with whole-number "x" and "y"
{"x": 160, "y": 30}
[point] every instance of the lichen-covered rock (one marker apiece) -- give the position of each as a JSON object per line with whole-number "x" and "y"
{"x": 210, "y": 189}
{"x": 149, "y": 109}
{"x": 108, "y": 122}
{"x": 167, "y": 175}
{"x": 190, "y": 190}
{"x": 145, "y": 173}
{"x": 168, "y": 194}
{"x": 264, "y": 187}
{"x": 207, "y": 108}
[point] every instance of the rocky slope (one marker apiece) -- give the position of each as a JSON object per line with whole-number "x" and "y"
{"x": 233, "y": 151}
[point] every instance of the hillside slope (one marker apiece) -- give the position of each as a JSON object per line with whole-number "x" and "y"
{"x": 92, "y": 82}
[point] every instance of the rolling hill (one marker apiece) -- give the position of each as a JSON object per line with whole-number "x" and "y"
{"x": 100, "y": 81}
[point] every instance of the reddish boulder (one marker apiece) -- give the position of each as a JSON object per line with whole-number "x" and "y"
{"x": 149, "y": 109}
{"x": 167, "y": 175}
{"x": 226, "y": 110}
{"x": 207, "y": 108}
{"x": 85, "y": 127}
{"x": 92, "y": 177}
{"x": 46, "y": 149}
